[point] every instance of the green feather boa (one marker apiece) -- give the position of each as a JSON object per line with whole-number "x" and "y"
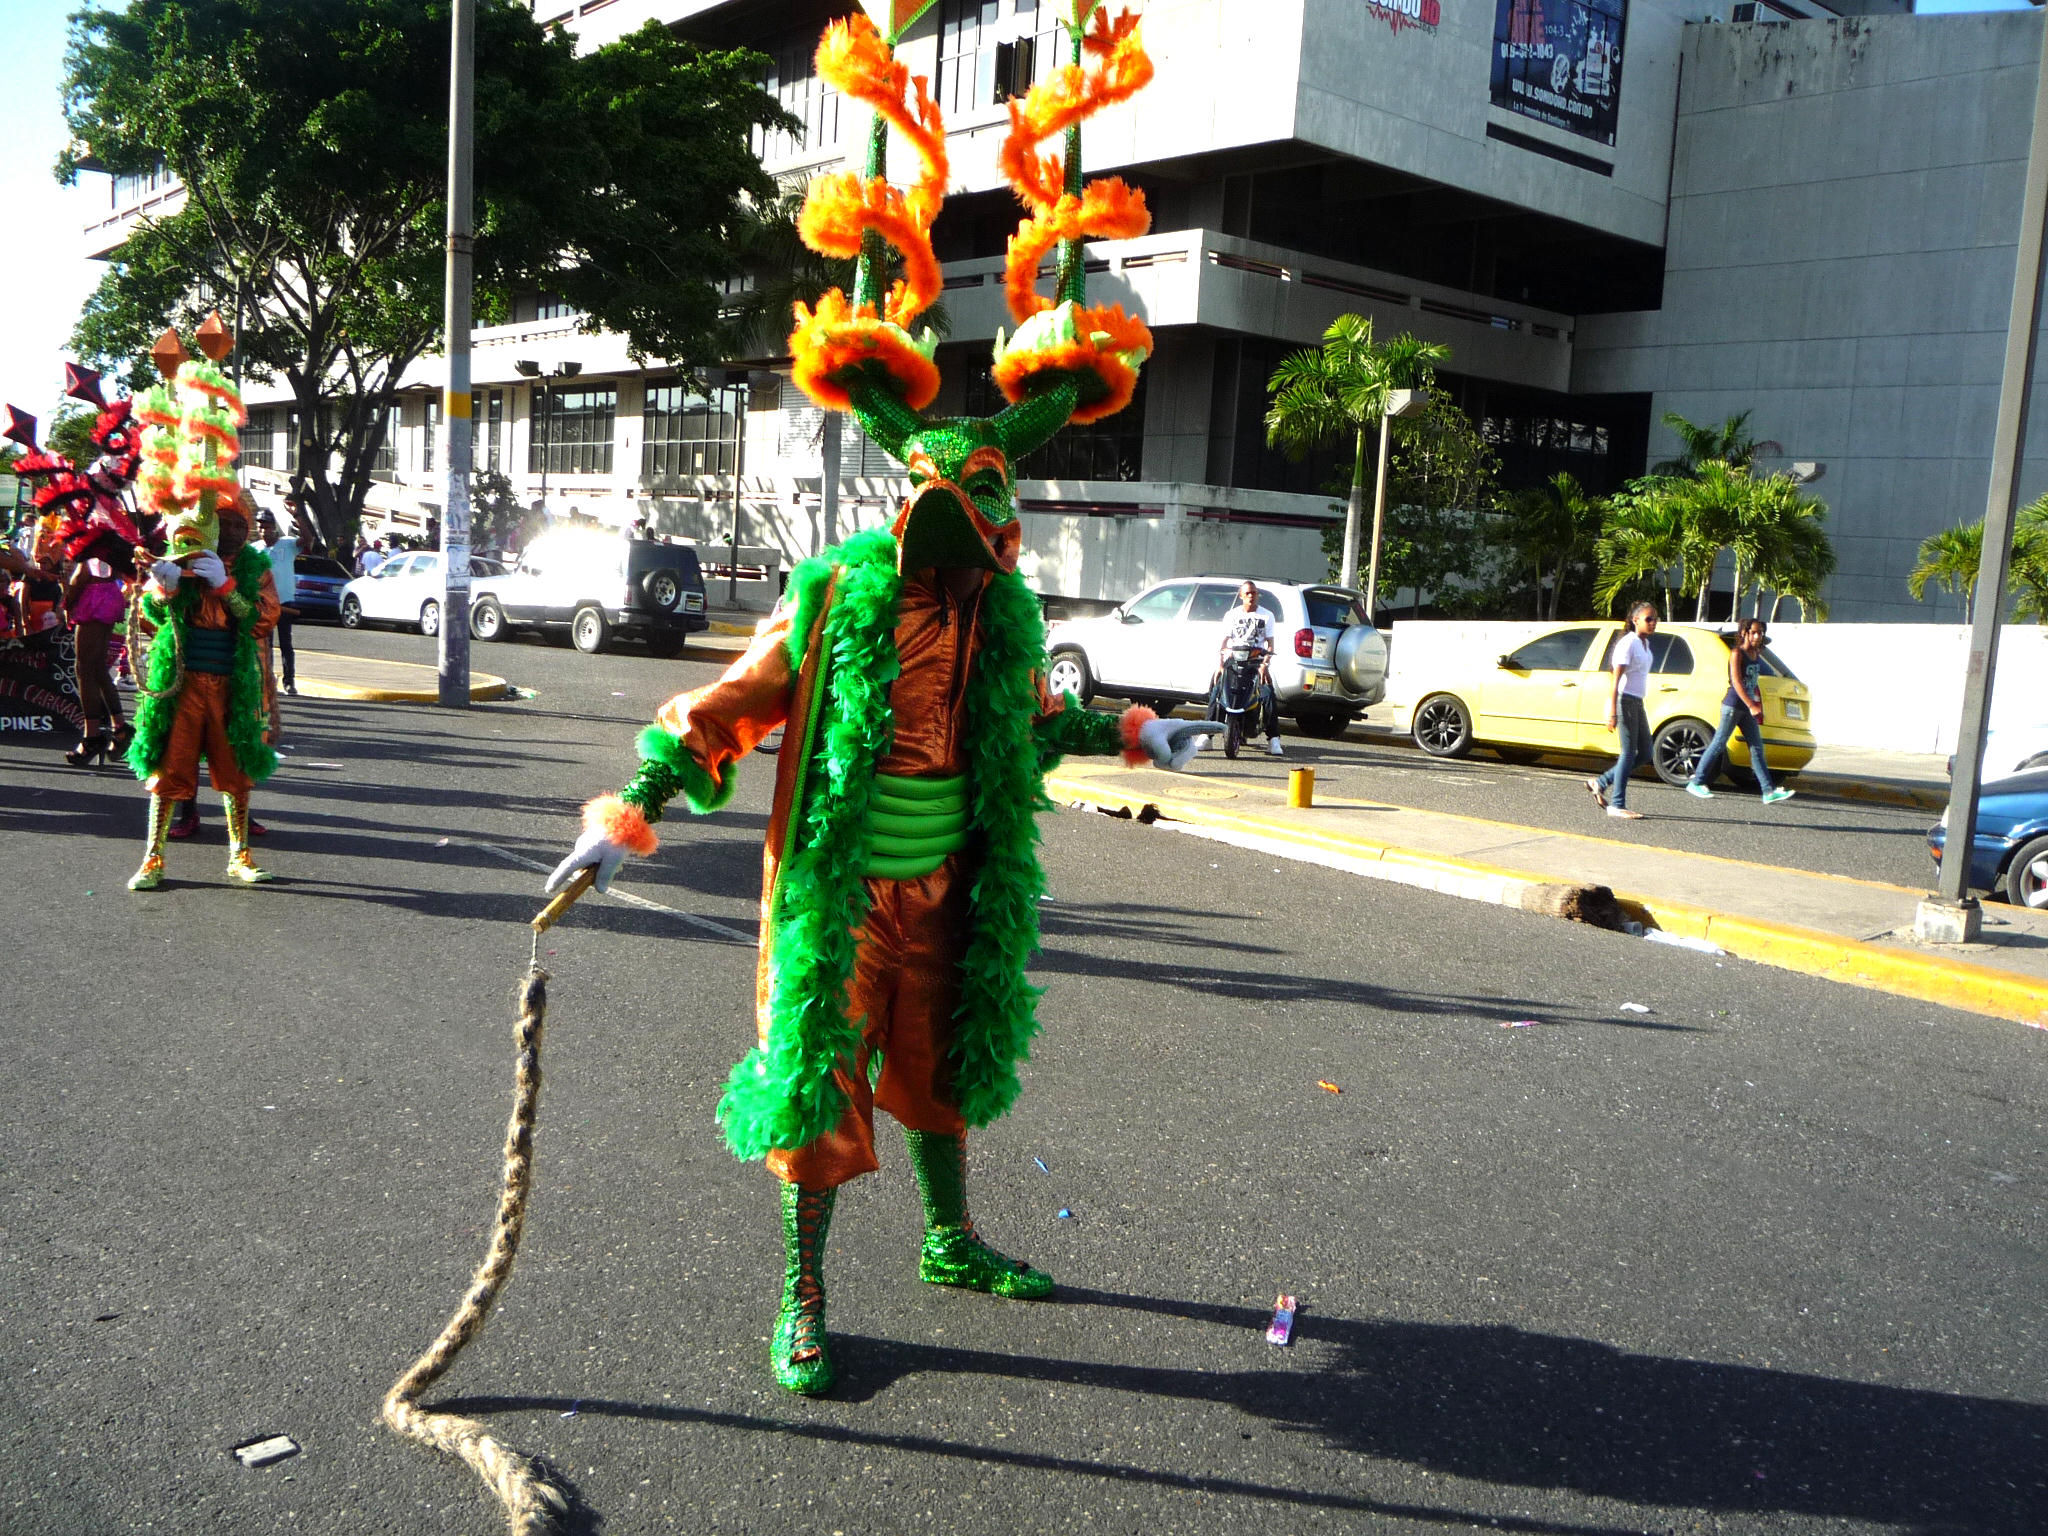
{"x": 156, "y": 709}
{"x": 782, "y": 1095}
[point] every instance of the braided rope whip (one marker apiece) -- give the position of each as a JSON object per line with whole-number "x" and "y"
{"x": 533, "y": 1506}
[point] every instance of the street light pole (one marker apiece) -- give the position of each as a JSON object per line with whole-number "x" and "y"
{"x": 739, "y": 467}
{"x": 1951, "y": 916}
{"x": 1400, "y": 402}
{"x": 455, "y": 399}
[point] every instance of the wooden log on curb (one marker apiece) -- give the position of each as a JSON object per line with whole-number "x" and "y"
{"x": 1591, "y": 904}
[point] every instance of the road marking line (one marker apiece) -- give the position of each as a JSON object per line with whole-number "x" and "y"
{"x": 615, "y": 893}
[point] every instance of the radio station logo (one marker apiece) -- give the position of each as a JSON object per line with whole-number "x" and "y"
{"x": 1402, "y": 14}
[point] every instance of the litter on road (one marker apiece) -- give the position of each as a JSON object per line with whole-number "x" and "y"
{"x": 1684, "y": 941}
{"x": 261, "y": 1453}
{"x": 1281, "y": 1329}
{"x": 1327, "y": 1086}
{"x": 1518, "y": 1024}
{"x": 1041, "y": 1165}
{"x": 1065, "y": 1214}
{"x": 1633, "y": 1008}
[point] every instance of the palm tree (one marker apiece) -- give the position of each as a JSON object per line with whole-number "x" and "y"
{"x": 1730, "y": 442}
{"x": 1950, "y": 559}
{"x": 1799, "y": 567}
{"x": 1782, "y": 546}
{"x": 1550, "y": 526}
{"x": 2030, "y": 562}
{"x": 1324, "y": 394}
{"x": 1642, "y": 538}
{"x": 1711, "y": 509}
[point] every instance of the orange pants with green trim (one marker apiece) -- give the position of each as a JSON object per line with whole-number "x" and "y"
{"x": 199, "y": 728}
{"x": 905, "y": 988}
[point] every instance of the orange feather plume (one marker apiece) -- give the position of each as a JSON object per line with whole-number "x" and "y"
{"x": 836, "y": 340}
{"x": 1115, "y": 377}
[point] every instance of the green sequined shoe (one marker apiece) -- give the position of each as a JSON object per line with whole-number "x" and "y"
{"x": 797, "y": 1351}
{"x": 958, "y": 1256}
{"x": 954, "y": 1253}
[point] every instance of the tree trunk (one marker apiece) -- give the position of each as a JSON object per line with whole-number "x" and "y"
{"x": 1777, "y": 602}
{"x": 1354, "y": 513}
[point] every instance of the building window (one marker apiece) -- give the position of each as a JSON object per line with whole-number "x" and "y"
{"x": 574, "y": 435}
{"x": 385, "y": 462}
{"x": 129, "y": 190}
{"x": 684, "y": 434}
{"x": 793, "y": 81}
{"x": 259, "y": 439}
{"x": 552, "y": 307}
{"x": 493, "y": 416}
{"x": 991, "y": 50}
{"x": 433, "y": 431}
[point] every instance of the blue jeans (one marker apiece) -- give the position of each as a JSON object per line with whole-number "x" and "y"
{"x": 1734, "y": 716}
{"x": 1633, "y": 726}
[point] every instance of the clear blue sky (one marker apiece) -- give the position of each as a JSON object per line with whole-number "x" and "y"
{"x": 43, "y": 279}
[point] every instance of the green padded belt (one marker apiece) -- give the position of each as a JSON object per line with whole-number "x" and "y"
{"x": 913, "y": 824}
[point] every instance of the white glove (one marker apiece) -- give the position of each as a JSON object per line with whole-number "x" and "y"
{"x": 207, "y": 568}
{"x": 167, "y": 574}
{"x": 593, "y": 850}
{"x": 1174, "y": 743}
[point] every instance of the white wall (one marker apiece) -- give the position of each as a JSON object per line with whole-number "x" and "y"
{"x": 1899, "y": 687}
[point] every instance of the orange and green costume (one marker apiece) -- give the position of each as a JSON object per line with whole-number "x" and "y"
{"x": 900, "y": 873}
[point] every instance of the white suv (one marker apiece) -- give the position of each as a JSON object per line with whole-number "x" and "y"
{"x": 1160, "y": 648}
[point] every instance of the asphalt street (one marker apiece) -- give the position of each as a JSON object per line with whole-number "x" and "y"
{"x": 1765, "y": 1257}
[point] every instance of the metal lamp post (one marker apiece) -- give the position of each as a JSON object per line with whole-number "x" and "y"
{"x": 453, "y": 690}
{"x": 1400, "y": 402}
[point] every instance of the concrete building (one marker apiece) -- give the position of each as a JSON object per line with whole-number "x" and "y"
{"x": 1606, "y": 208}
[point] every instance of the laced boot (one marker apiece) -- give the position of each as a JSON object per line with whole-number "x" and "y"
{"x": 151, "y": 874}
{"x": 240, "y": 866}
{"x": 954, "y": 1253}
{"x": 798, "y": 1349}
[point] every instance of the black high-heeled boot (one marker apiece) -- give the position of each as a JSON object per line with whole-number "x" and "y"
{"x": 93, "y": 746}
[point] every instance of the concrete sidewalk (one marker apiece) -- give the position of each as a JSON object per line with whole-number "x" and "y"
{"x": 334, "y": 675}
{"x": 1854, "y": 931}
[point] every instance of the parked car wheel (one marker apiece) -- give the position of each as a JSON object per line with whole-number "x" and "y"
{"x": 487, "y": 620}
{"x": 2026, "y": 877}
{"x": 1069, "y": 674}
{"x": 1443, "y": 726}
{"x": 1326, "y": 723}
{"x": 1675, "y": 752}
{"x": 666, "y": 643}
{"x": 430, "y": 619}
{"x": 351, "y": 612}
{"x": 590, "y": 631}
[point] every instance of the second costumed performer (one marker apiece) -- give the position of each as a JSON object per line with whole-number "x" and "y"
{"x": 900, "y": 878}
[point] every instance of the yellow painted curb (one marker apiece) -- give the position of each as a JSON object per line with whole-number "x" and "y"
{"x": 483, "y": 686}
{"x": 1811, "y": 952}
{"x": 724, "y": 627}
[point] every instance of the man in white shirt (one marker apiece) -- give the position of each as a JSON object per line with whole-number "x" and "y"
{"x": 1629, "y": 667}
{"x": 283, "y": 550}
{"x": 1247, "y": 627}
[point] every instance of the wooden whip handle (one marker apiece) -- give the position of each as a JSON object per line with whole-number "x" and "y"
{"x": 566, "y": 898}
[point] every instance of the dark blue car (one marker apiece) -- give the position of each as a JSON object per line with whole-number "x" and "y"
{"x": 2010, "y": 855}
{"x": 320, "y": 580}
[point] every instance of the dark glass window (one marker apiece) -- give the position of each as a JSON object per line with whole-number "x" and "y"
{"x": 575, "y": 431}
{"x": 433, "y": 431}
{"x": 1110, "y": 449}
{"x": 1212, "y": 602}
{"x": 794, "y": 83}
{"x": 1161, "y": 605}
{"x": 1561, "y": 651}
{"x": 259, "y": 439}
{"x": 1670, "y": 653}
{"x": 1327, "y": 610}
{"x": 684, "y": 434}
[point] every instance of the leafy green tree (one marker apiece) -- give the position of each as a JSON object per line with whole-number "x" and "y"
{"x": 311, "y": 139}
{"x": 1730, "y": 442}
{"x": 1551, "y": 527}
{"x": 1642, "y": 543}
{"x": 71, "y": 433}
{"x": 1339, "y": 390}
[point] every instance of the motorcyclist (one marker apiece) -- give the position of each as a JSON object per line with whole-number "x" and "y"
{"x": 1248, "y": 629}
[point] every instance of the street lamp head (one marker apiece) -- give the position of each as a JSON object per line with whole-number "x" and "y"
{"x": 1407, "y": 402}
{"x": 526, "y": 368}
{"x": 569, "y": 370}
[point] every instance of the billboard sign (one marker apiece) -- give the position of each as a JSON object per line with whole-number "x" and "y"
{"x": 1559, "y": 62}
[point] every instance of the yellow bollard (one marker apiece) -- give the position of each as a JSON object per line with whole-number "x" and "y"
{"x": 1301, "y": 787}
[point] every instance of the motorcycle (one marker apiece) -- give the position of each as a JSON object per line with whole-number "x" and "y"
{"x": 1237, "y": 696}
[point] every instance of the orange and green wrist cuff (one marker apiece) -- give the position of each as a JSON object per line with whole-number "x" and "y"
{"x": 667, "y": 768}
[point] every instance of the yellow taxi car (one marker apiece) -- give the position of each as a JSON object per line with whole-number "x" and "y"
{"x": 1550, "y": 695}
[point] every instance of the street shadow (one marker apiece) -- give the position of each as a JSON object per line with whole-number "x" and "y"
{"x": 1509, "y": 1407}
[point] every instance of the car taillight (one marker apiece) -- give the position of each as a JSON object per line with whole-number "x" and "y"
{"x": 1304, "y": 642}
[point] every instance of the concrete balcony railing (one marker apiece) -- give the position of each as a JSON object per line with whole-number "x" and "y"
{"x": 1198, "y": 277}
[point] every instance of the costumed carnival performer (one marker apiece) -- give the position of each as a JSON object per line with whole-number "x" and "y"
{"x": 900, "y": 876}
{"x": 211, "y": 601}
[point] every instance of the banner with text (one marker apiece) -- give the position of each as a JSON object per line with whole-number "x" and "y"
{"x": 1559, "y": 61}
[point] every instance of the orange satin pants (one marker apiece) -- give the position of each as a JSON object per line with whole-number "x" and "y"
{"x": 200, "y": 727}
{"x": 905, "y": 988}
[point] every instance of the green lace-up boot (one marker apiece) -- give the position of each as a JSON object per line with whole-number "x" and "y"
{"x": 241, "y": 867}
{"x": 151, "y": 874}
{"x": 954, "y": 1253}
{"x": 798, "y": 1349}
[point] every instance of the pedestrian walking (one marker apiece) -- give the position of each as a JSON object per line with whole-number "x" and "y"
{"x": 96, "y": 598}
{"x": 1742, "y": 708}
{"x": 283, "y": 550}
{"x": 1628, "y": 665}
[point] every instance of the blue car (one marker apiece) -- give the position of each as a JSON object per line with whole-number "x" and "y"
{"x": 2010, "y": 856}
